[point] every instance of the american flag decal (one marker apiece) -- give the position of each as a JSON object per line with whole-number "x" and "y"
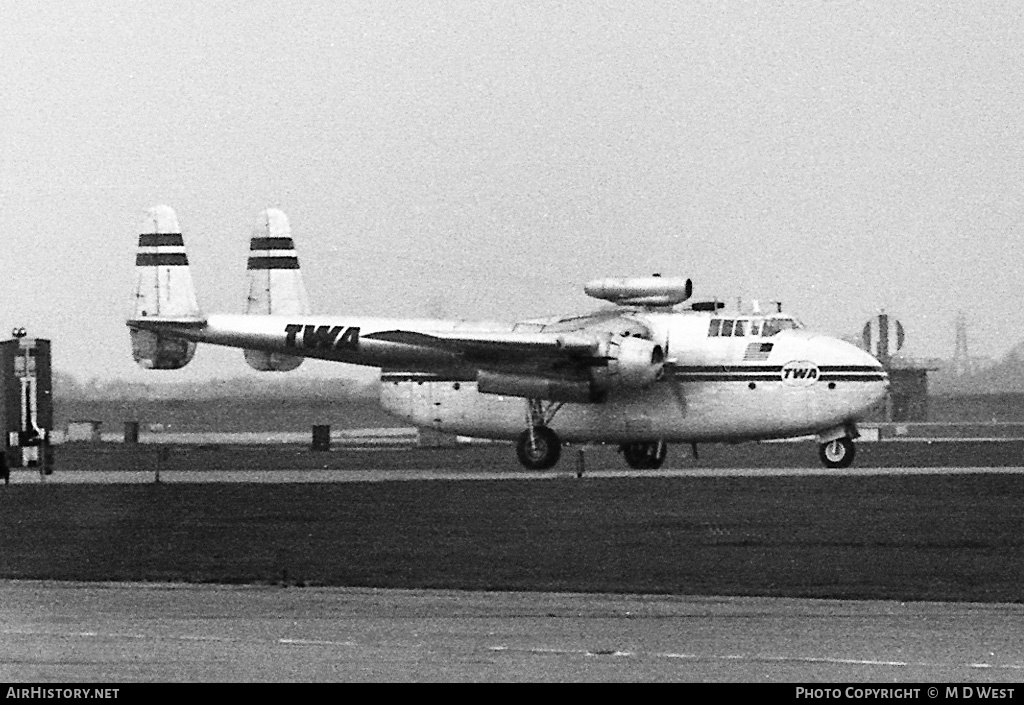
{"x": 757, "y": 352}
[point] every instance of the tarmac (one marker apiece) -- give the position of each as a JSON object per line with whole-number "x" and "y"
{"x": 64, "y": 632}
{"x": 122, "y": 633}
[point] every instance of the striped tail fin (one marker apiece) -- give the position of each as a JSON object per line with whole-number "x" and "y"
{"x": 163, "y": 291}
{"x": 275, "y": 283}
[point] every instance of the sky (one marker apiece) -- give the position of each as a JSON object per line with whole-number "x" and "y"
{"x": 480, "y": 159}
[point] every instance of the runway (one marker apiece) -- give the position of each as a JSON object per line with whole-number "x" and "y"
{"x": 880, "y": 537}
{"x": 287, "y": 476}
{"x": 119, "y": 633}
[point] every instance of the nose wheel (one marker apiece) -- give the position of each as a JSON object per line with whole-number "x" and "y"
{"x": 838, "y": 453}
{"x": 538, "y": 448}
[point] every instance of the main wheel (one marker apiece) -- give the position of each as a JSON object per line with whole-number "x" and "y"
{"x": 645, "y": 456}
{"x": 543, "y": 452}
{"x": 838, "y": 453}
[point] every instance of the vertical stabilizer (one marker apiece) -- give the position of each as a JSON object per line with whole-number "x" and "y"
{"x": 164, "y": 284}
{"x": 275, "y": 283}
{"x": 163, "y": 290}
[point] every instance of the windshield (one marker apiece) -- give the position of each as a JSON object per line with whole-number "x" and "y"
{"x": 744, "y": 327}
{"x": 776, "y": 324}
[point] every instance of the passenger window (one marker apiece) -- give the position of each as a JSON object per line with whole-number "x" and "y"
{"x": 755, "y": 328}
{"x": 740, "y": 330}
{"x": 771, "y": 327}
{"x": 716, "y": 326}
{"x": 727, "y": 328}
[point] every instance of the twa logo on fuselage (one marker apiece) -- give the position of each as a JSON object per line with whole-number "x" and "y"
{"x": 800, "y": 373}
{"x": 321, "y": 337}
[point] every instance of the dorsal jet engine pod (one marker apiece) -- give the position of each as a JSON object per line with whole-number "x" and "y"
{"x": 641, "y": 291}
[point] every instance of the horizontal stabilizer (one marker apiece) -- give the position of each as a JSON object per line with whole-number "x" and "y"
{"x": 165, "y": 322}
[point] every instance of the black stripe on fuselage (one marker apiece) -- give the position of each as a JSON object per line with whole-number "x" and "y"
{"x": 273, "y": 263}
{"x": 728, "y": 378}
{"x": 773, "y": 373}
{"x": 161, "y": 240}
{"x": 769, "y": 368}
{"x": 774, "y": 378}
{"x": 727, "y": 373}
{"x": 160, "y": 259}
{"x": 271, "y": 243}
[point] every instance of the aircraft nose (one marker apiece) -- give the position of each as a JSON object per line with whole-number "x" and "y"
{"x": 850, "y": 358}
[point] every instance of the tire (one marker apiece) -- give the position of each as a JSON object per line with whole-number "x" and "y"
{"x": 647, "y": 455}
{"x": 838, "y": 453}
{"x": 545, "y": 451}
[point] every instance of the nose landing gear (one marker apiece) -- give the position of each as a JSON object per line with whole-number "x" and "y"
{"x": 837, "y": 453}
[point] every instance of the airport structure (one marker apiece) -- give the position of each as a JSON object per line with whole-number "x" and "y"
{"x": 26, "y": 402}
{"x": 883, "y": 337}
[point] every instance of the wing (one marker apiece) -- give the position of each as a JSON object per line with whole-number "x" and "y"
{"x": 571, "y": 348}
{"x": 489, "y": 346}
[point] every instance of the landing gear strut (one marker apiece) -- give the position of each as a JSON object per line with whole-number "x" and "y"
{"x": 539, "y": 448}
{"x": 838, "y": 453}
{"x": 648, "y": 455}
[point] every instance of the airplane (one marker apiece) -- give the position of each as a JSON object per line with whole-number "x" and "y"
{"x": 641, "y": 372}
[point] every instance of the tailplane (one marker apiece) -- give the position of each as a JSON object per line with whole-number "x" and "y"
{"x": 163, "y": 292}
{"x": 275, "y": 283}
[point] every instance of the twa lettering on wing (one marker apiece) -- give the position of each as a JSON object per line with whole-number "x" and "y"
{"x": 321, "y": 337}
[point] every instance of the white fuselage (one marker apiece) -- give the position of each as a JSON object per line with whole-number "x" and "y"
{"x": 710, "y": 393}
{"x": 715, "y": 387}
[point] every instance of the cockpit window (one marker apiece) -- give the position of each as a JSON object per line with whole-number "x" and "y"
{"x": 756, "y": 327}
{"x": 774, "y": 325}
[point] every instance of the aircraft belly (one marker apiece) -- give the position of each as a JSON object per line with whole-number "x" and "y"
{"x": 692, "y": 412}
{"x": 670, "y": 411}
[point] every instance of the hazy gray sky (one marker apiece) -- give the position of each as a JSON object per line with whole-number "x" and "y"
{"x": 485, "y": 159}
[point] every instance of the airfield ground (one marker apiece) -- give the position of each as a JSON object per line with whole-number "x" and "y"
{"x": 896, "y": 537}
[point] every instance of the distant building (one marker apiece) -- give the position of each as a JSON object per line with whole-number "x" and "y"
{"x": 908, "y": 391}
{"x": 883, "y": 336}
{"x": 84, "y": 431}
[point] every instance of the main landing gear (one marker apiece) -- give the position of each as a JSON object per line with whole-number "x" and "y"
{"x": 837, "y": 453}
{"x": 648, "y": 455}
{"x": 539, "y": 448}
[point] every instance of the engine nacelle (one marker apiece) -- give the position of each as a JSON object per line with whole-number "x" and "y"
{"x": 271, "y": 361}
{"x": 158, "y": 352}
{"x": 633, "y": 363}
{"x": 537, "y": 387}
